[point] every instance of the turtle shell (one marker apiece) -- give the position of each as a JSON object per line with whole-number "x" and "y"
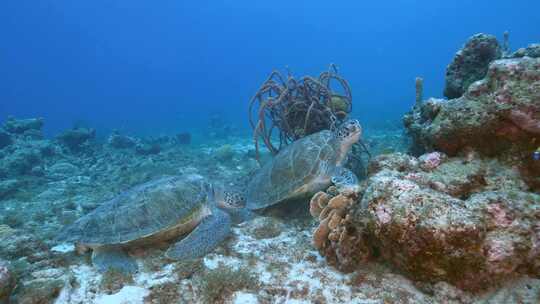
{"x": 293, "y": 170}
{"x": 157, "y": 206}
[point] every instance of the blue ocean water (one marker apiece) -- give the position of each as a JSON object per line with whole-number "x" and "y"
{"x": 162, "y": 67}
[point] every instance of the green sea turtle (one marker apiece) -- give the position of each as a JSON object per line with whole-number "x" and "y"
{"x": 159, "y": 210}
{"x": 306, "y": 166}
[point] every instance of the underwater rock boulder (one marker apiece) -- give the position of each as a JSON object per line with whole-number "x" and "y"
{"x": 75, "y": 138}
{"x": 469, "y": 222}
{"x": 497, "y": 114}
{"x": 470, "y": 64}
{"x": 119, "y": 141}
{"x": 147, "y": 148}
{"x": 224, "y": 153}
{"x": 7, "y": 281}
{"x": 21, "y": 161}
{"x": 5, "y": 139}
{"x": 395, "y": 161}
{"x": 44, "y": 290}
{"x": 17, "y": 243}
{"x": 533, "y": 50}
{"x": 8, "y": 187}
{"x": 20, "y": 126}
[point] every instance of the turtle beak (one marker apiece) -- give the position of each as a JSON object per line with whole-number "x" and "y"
{"x": 354, "y": 127}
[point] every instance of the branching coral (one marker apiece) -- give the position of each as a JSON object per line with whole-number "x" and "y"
{"x": 294, "y": 108}
{"x": 335, "y": 238}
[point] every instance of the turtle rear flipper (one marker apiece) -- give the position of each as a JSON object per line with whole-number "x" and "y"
{"x": 212, "y": 230}
{"x": 113, "y": 258}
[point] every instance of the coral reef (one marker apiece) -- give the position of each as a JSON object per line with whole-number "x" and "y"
{"x": 23, "y": 151}
{"x": 470, "y": 222}
{"x": 74, "y": 139}
{"x": 498, "y": 116}
{"x": 470, "y": 64}
{"x": 118, "y": 141}
{"x": 459, "y": 218}
{"x": 146, "y": 147}
{"x": 532, "y": 50}
{"x": 21, "y": 126}
{"x": 465, "y": 211}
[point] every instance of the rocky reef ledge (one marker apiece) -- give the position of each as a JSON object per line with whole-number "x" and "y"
{"x": 467, "y": 221}
{"x": 498, "y": 116}
{"x": 464, "y": 207}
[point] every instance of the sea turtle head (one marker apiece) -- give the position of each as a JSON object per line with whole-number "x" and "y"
{"x": 232, "y": 202}
{"x": 348, "y": 132}
{"x": 226, "y": 199}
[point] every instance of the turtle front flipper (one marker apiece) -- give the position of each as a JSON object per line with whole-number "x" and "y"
{"x": 345, "y": 180}
{"x": 113, "y": 258}
{"x": 210, "y": 232}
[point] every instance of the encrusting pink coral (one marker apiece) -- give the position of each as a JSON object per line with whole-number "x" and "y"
{"x": 525, "y": 121}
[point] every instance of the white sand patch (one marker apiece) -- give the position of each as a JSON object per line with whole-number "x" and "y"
{"x": 149, "y": 279}
{"x": 87, "y": 279}
{"x": 281, "y": 262}
{"x": 126, "y": 295}
{"x": 63, "y": 248}
{"x": 287, "y": 267}
{"x": 244, "y": 298}
{"x": 213, "y": 261}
